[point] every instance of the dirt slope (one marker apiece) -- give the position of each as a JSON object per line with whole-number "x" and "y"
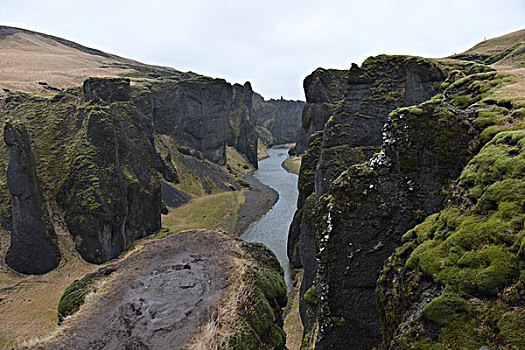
{"x": 155, "y": 299}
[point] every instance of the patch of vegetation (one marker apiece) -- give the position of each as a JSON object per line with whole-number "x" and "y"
{"x": 257, "y": 325}
{"x": 311, "y": 296}
{"x": 292, "y": 164}
{"x": 216, "y": 211}
{"x": 474, "y": 250}
{"x": 75, "y": 294}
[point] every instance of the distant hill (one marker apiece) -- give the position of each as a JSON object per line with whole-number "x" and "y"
{"x": 506, "y": 50}
{"x": 40, "y": 63}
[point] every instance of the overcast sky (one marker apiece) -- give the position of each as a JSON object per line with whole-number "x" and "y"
{"x": 273, "y": 44}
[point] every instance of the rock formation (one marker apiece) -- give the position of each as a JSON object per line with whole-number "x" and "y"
{"x": 374, "y": 170}
{"x": 282, "y": 118}
{"x": 109, "y": 193}
{"x": 242, "y": 133}
{"x": 350, "y": 108}
{"x": 195, "y": 112}
{"x": 33, "y": 248}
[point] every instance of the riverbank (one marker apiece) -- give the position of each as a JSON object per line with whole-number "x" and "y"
{"x": 292, "y": 164}
{"x": 257, "y": 202}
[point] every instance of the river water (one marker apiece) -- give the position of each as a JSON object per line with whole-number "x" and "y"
{"x": 272, "y": 228}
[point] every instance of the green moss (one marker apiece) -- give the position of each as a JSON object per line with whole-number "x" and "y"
{"x": 311, "y": 296}
{"x": 74, "y": 295}
{"x": 472, "y": 249}
{"x": 257, "y": 326}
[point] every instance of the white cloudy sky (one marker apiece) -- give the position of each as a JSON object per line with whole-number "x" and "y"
{"x": 273, "y": 44}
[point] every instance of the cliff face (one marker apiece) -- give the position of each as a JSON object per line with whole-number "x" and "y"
{"x": 373, "y": 171}
{"x": 33, "y": 248}
{"x": 109, "y": 194}
{"x": 242, "y": 134}
{"x": 354, "y": 108}
{"x": 97, "y": 155}
{"x": 195, "y": 112}
{"x": 282, "y": 118}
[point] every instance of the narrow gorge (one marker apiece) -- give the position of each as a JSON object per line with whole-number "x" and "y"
{"x": 143, "y": 207}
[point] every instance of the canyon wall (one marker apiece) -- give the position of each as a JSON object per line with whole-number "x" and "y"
{"x": 372, "y": 171}
{"x": 281, "y": 118}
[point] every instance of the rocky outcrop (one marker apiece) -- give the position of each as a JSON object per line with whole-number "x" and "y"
{"x": 109, "y": 194}
{"x": 175, "y": 289}
{"x": 242, "y": 134}
{"x": 282, "y": 118}
{"x": 374, "y": 171}
{"x": 194, "y": 111}
{"x": 348, "y": 109}
{"x": 367, "y": 209}
{"x": 33, "y": 248}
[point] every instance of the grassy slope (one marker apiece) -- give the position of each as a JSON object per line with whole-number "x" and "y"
{"x": 496, "y": 45}
{"x": 29, "y": 58}
{"x": 214, "y": 212}
{"x": 292, "y": 164}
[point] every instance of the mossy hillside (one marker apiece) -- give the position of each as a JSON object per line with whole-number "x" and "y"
{"x": 389, "y": 77}
{"x": 473, "y": 249}
{"x": 74, "y": 295}
{"x": 264, "y": 135}
{"x": 260, "y": 325}
{"x": 49, "y": 124}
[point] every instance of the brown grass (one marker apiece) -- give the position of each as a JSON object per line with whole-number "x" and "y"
{"x": 292, "y": 164}
{"x": 498, "y": 44}
{"x": 214, "y": 212}
{"x": 215, "y": 333}
{"x": 293, "y": 326}
{"x": 28, "y": 306}
{"x": 261, "y": 150}
{"x": 27, "y": 59}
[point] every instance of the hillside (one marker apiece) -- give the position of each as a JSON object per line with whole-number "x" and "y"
{"x": 505, "y": 51}
{"x": 410, "y": 214}
{"x": 43, "y": 64}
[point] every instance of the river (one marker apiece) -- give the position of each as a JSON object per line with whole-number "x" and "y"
{"x": 272, "y": 228}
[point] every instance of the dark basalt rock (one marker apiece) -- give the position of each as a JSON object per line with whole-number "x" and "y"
{"x": 33, "y": 248}
{"x": 242, "y": 134}
{"x": 282, "y": 118}
{"x": 107, "y": 90}
{"x": 367, "y": 210}
{"x": 195, "y": 112}
{"x": 110, "y": 194}
{"x": 347, "y": 109}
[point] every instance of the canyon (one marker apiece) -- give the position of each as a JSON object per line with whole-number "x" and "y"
{"x": 126, "y": 186}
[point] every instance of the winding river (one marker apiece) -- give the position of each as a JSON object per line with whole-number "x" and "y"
{"x": 272, "y": 228}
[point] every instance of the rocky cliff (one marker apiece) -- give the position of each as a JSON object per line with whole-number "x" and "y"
{"x": 33, "y": 248}
{"x": 98, "y": 164}
{"x": 242, "y": 134}
{"x": 374, "y": 170}
{"x": 109, "y": 193}
{"x": 281, "y": 118}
